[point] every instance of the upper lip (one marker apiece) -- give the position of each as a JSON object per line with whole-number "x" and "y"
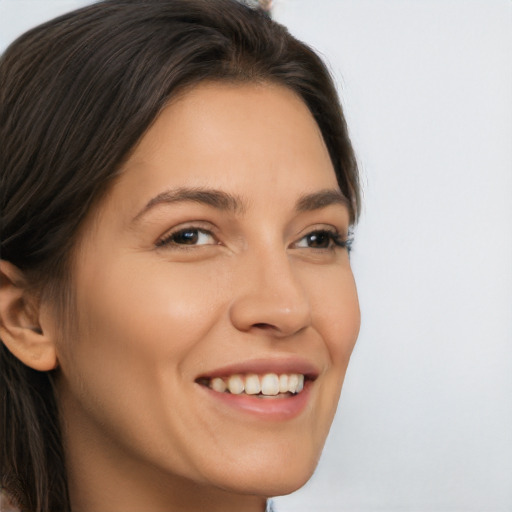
{"x": 263, "y": 366}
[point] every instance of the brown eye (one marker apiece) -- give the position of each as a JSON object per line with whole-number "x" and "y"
{"x": 187, "y": 236}
{"x": 319, "y": 240}
{"x": 322, "y": 239}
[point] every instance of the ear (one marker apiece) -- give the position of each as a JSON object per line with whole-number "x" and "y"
{"x": 20, "y": 329}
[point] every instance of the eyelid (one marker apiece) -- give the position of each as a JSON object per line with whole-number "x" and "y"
{"x": 314, "y": 228}
{"x": 337, "y": 238}
{"x": 166, "y": 238}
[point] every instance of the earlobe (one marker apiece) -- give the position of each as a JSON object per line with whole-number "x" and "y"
{"x": 20, "y": 330}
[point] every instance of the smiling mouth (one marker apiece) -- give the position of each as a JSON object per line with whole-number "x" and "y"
{"x": 268, "y": 385}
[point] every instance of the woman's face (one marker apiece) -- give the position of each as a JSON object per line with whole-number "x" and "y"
{"x": 216, "y": 260}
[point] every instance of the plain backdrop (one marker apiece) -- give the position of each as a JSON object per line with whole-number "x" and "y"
{"x": 425, "y": 418}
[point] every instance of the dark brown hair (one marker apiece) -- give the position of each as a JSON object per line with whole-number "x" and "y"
{"x": 76, "y": 95}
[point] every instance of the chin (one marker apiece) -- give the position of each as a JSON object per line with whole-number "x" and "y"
{"x": 270, "y": 484}
{"x": 268, "y": 473}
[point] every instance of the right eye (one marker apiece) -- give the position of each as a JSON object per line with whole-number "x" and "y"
{"x": 187, "y": 237}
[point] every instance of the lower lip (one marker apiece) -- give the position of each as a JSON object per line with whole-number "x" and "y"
{"x": 272, "y": 409}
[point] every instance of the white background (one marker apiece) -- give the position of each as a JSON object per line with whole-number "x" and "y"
{"x": 425, "y": 421}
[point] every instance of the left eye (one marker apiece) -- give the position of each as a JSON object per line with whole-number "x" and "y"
{"x": 188, "y": 236}
{"x": 321, "y": 239}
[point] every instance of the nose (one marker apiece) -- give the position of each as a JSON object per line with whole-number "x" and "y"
{"x": 269, "y": 297}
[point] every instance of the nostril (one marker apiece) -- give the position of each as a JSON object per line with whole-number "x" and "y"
{"x": 264, "y": 326}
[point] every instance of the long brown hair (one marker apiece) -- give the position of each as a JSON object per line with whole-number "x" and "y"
{"x": 76, "y": 94}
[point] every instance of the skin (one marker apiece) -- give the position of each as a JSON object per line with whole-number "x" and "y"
{"x": 139, "y": 432}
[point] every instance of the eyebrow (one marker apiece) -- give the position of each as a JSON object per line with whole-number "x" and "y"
{"x": 225, "y": 201}
{"x": 217, "y": 199}
{"x": 321, "y": 199}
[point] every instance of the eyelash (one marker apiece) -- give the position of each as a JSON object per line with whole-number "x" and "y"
{"x": 335, "y": 239}
{"x": 169, "y": 240}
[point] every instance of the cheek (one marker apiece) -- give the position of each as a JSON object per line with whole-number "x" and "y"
{"x": 136, "y": 333}
{"x": 128, "y": 372}
{"x": 146, "y": 309}
{"x": 336, "y": 317}
{"x": 335, "y": 309}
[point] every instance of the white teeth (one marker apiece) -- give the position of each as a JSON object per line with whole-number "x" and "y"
{"x": 300, "y": 386}
{"x": 270, "y": 384}
{"x": 217, "y": 384}
{"x": 236, "y": 385}
{"x": 283, "y": 383}
{"x": 293, "y": 383}
{"x": 252, "y": 385}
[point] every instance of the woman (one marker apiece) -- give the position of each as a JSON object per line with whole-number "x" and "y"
{"x": 177, "y": 308}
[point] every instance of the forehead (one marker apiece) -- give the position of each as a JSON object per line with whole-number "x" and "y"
{"x": 254, "y": 140}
